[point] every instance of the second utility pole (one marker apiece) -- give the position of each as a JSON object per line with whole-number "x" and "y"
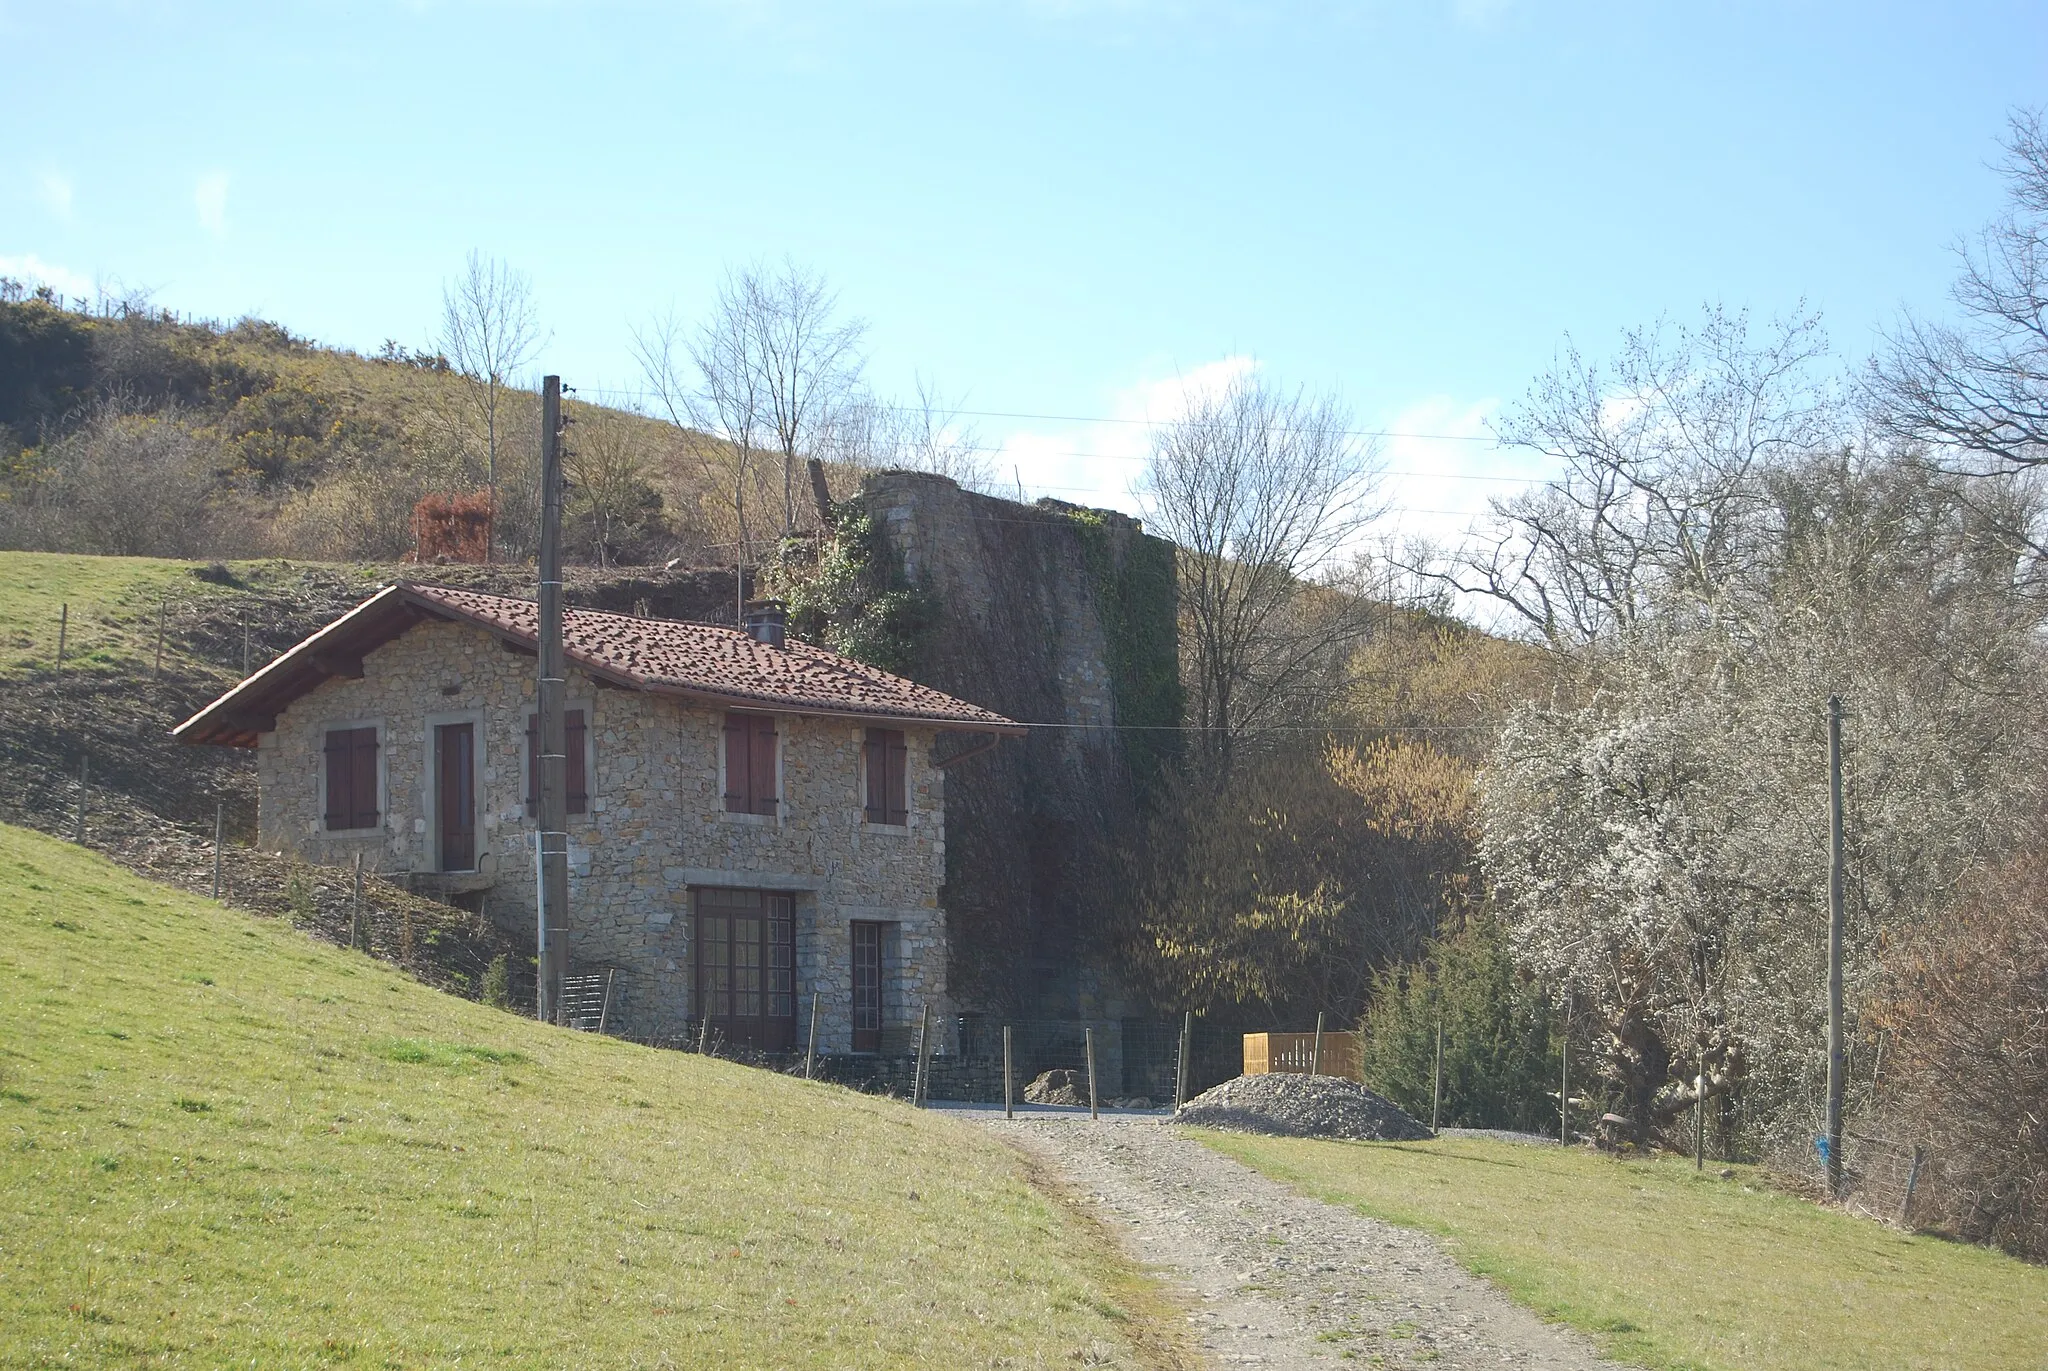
{"x": 1835, "y": 894}
{"x": 551, "y": 842}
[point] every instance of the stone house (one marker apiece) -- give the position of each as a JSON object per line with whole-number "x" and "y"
{"x": 753, "y": 820}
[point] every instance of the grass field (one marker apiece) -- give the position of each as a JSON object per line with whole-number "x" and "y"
{"x": 113, "y": 604}
{"x": 1670, "y": 1269}
{"x": 223, "y": 1144}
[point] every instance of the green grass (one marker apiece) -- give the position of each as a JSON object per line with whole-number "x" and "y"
{"x": 1670, "y": 1269}
{"x": 223, "y": 1144}
{"x": 113, "y": 605}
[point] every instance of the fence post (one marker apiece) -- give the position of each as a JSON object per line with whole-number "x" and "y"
{"x": 163, "y": 609}
{"x": 811, "y": 1048}
{"x": 1316, "y": 1067}
{"x": 924, "y": 1056}
{"x": 1092, "y": 1111}
{"x": 63, "y": 629}
{"x": 355, "y": 914}
{"x": 1699, "y": 1122}
{"x": 604, "y": 1008}
{"x": 1009, "y": 1104}
{"x": 1187, "y": 1045}
{"x": 1436, "y": 1082}
{"x": 220, "y": 810}
{"x": 1564, "y": 1075}
{"x": 1912, "y": 1181}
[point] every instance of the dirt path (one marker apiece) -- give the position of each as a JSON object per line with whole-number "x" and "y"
{"x": 1276, "y": 1280}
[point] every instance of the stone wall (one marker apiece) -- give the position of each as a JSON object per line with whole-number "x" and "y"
{"x": 1028, "y": 622}
{"x": 655, "y": 830}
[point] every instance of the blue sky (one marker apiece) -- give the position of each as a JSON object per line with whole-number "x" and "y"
{"x": 1056, "y": 208}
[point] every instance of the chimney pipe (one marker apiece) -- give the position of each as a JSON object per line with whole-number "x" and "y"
{"x": 766, "y": 621}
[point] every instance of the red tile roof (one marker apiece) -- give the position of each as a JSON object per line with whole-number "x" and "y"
{"x": 725, "y": 666}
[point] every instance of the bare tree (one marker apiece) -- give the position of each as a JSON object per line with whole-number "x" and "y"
{"x": 707, "y": 381}
{"x": 1264, "y": 491}
{"x": 1664, "y": 456}
{"x": 1981, "y": 388}
{"x": 920, "y": 434}
{"x": 809, "y": 362}
{"x": 488, "y": 331}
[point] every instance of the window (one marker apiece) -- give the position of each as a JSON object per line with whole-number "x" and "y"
{"x": 746, "y": 966}
{"x": 888, "y": 793}
{"x": 351, "y": 778}
{"x": 750, "y": 764}
{"x": 576, "y": 746}
{"x": 867, "y": 986}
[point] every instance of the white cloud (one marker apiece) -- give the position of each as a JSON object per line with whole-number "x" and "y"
{"x": 36, "y": 272}
{"x": 210, "y": 197}
{"x": 55, "y": 191}
{"x": 1096, "y": 462}
{"x": 1480, "y": 14}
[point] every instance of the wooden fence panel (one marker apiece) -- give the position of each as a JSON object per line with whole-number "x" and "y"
{"x": 1269, "y": 1053}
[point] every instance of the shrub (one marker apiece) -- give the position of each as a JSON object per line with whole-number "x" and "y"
{"x": 497, "y": 987}
{"x": 1967, "y": 1012}
{"x": 1500, "y": 1043}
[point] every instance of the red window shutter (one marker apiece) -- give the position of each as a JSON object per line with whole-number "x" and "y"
{"x": 579, "y": 782}
{"x": 876, "y": 764}
{"x": 763, "y": 769}
{"x": 340, "y": 791}
{"x": 738, "y": 796}
{"x": 364, "y": 774}
{"x": 897, "y": 794}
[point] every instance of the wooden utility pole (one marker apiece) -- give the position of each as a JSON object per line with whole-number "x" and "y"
{"x": 1835, "y": 897}
{"x": 551, "y": 842}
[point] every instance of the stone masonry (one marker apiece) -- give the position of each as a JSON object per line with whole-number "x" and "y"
{"x": 656, "y": 827}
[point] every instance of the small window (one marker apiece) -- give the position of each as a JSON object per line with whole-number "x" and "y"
{"x": 576, "y": 746}
{"x": 750, "y": 764}
{"x": 351, "y": 778}
{"x": 888, "y": 791}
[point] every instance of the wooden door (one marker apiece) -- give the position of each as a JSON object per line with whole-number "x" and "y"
{"x": 746, "y": 966}
{"x": 867, "y": 986}
{"x": 455, "y": 794}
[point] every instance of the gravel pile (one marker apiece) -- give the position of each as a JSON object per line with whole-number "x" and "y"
{"x": 1294, "y": 1106}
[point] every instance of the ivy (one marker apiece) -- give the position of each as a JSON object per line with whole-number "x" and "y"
{"x": 1137, "y": 601}
{"x": 849, "y": 593}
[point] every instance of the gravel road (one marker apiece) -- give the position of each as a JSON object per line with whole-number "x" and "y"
{"x": 1272, "y": 1279}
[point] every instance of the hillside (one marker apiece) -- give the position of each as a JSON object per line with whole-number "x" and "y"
{"x": 136, "y": 432}
{"x": 229, "y": 1145}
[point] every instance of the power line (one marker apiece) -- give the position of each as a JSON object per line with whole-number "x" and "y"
{"x": 644, "y": 395}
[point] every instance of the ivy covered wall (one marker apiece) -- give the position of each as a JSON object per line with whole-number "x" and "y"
{"x": 1053, "y": 615}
